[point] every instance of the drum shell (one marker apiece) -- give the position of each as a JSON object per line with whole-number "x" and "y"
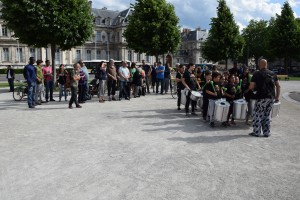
{"x": 275, "y": 110}
{"x": 195, "y": 95}
{"x": 239, "y": 109}
{"x": 221, "y": 110}
{"x": 200, "y": 102}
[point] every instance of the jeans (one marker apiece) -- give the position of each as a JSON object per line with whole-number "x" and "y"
{"x": 86, "y": 95}
{"x": 111, "y": 87}
{"x": 81, "y": 93}
{"x": 179, "y": 97}
{"x": 11, "y": 84}
{"x": 38, "y": 93}
{"x": 49, "y": 87}
{"x": 62, "y": 89}
{"x": 166, "y": 84}
{"x": 161, "y": 81}
{"x": 31, "y": 94}
{"x": 73, "y": 96}
{"x": 123, "y": 90}
{"x": 147, "y": 83}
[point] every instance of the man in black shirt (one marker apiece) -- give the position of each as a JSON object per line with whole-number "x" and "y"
{"x": 190, "y": 83}
{"x": 264, "y": 81}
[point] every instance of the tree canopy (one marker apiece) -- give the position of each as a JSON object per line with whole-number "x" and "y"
{"x": 285, "y": 35}
{"x": 38, "y": 23}
{"x": 153, "y": 28}
{"x": 224, "y": 41}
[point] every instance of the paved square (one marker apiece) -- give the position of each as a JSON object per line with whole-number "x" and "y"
{"x": 143, "y": 149}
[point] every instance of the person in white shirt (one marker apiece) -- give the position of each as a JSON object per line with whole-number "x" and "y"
{"x": 124, "y": 75}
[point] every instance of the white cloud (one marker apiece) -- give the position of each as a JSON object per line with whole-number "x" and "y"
{"x": 195, "y": 13}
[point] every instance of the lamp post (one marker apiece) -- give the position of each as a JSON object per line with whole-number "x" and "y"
{"x": 95, "y": 38}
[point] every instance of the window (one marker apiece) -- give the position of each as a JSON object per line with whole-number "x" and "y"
{"x": 4, "y": 31}
{"x": 98, "y": 21}
{"x": 98, "y": 36}
{"x": 5, "y": 54}
{"x": 103, "y": 21}
{"x": 130, "y": 55}
{"x": 57, "y": 56}
{"x": 78, "y": 54}
{"x": 88, "y": 55}
{"x": 118, "y": 36}
{"x": 19, "y": 55}
{"x": 148, "y": 58}
{"x": 32, "y": 52}
{"x": 98, "y": 55}
{"x": 138, "y": 57}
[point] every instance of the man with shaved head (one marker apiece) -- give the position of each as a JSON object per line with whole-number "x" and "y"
{"x": 264, "y": 83}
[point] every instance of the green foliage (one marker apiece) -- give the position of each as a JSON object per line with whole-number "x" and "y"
{"x": 17, "y": 71}
{"x": 224, "y": 40}
{"x": 153, "y": 28}
{"x": 285, "y": 35}
{"x": 256, "y": 36}
{"x": 38, "y": 23}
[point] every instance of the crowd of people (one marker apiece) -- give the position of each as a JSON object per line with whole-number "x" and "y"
{"x": 237, "y": 83}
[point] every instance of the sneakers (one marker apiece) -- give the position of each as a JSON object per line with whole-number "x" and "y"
{"x": 70, "y": 106}
{"x": 178, "y": 108}
{"x": 78, "y": 106}
{"x": 212, "y": 124}
{"x": 31, "y": 106}
{"x": 52, "y": 99}
{"x": 114, "y": 99}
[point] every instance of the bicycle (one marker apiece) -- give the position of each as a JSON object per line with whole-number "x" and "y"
{"x": 173, "y": 89}
{"x": 20, "y": 91}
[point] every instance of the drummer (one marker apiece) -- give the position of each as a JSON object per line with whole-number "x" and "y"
{"x": 180, "y": 86}
{"x": 214, "y": 92}
{"x": 205, "y": 96}
{"x": 246, "y": 78}
{"x": 230, "y": 96}
{"x": 190, "y": 83}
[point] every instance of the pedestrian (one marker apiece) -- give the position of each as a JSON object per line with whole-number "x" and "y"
{"x": 265, "y": 82}
{"x": 39, "y": 83}
{"x": 137, "y": 81}
{"x": 208, "y": 79}
{"x": 124, "y": 75}
{"x": 74, "y": 78}
{"x": 81, "y": 86}
{"x": 10, "y": 75}
{"x": 111, "y": 80}
{"x": 167, "y": 78}
{"x": 62, "y": 80}
{"x": 86, "y": 83}
{"x": 48, "y": 80}
{"x": 148, "y": 71}
{"x": 180, "y": 86}
{"x": 230, "y": 96}
{"x": 160, "y": 70}
{"x": 30, "y": 76}
{"x": 153, "y": 76}
{"x": 190, "y": 83}
{"x": 102, "y": 81}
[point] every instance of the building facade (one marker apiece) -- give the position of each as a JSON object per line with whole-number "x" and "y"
{"x": 107, "y": 42}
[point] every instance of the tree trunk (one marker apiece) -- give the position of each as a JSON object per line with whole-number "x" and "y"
{"x": 226, "y": 63}
{"x": 53, "y": 63}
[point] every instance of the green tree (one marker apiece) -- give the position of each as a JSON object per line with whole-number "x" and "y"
{"x": 285, "y": 36}
{"x": 256, "y": 37}
{"x": 153, "y": 28}
{"x": 39, "y": 23}
{"x": 224, "y": 41}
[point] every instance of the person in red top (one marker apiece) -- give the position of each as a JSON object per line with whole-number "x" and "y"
{"x": 48, "y": 80}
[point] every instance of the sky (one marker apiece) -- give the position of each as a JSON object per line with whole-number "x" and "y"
{"x": 198, "y": 13}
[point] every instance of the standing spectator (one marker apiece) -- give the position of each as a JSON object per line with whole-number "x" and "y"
{"x": 86, "y": 84}
{"x": 264, "y": 81}
{"x": 62, "y": 80}
{"x": 137, "y": 81}
{"x": 124, "y": 76}
{"x": 39, "y": 83}
{"x": 153, "y": 76}
{"x": 180, "y": 86}
{"x": 132, "y": 72}
{"x": 167, "y": 78}
{"x": 111, "y": 80}
{"x": 74, "y": 78}
{"x": 102, "y": 81}
{"x": 10, "y": 75}
{"x": 234, "y": 70}
{"x": 208, "y": 79}
{"x": 160, "y": 71}
{"x": 48, "y": 80}
{"x": 30, "y": 76}
{"x": 189, "y": 82}
{"x": 148, "y": 71}
{"x": 81, "y": 86}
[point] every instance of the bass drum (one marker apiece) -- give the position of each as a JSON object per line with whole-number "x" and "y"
{"x": 221, "y": 110}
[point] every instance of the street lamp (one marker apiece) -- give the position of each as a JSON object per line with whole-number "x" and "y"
{"x": 95, "y": 38}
